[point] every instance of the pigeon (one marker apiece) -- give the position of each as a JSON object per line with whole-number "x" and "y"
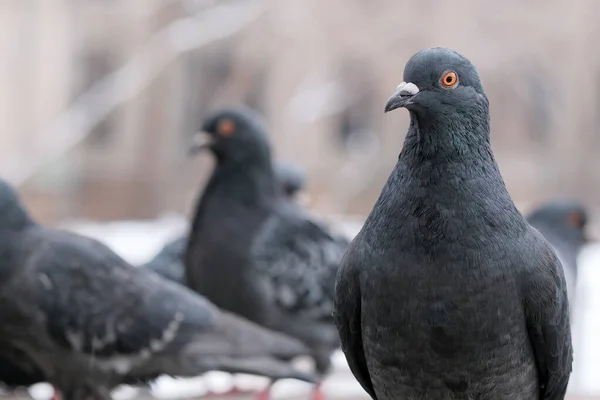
{"x": 291, "y": 179}
{"x": 169, "y": 261}
{"x": 14, "y": 375}
{"x": 253, "y": 252}
{"x": 17, "y": 370}
{"x": 563, "y": 222}
{"x": 90, "y": 321}
{"x": 447, "y": 292}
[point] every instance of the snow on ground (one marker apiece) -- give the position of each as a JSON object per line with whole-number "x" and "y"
{"x": 586, "y": 324}
{"x": 138, "y": 241}
{"x": 135, "y": 241}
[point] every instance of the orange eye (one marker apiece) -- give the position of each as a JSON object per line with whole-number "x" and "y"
{"x": 449, "y": 79}
{"x": 575, "y": 219}
{"x": 226, "y": 127}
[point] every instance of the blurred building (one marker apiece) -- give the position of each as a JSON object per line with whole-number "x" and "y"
{"x": 99, "y": 98}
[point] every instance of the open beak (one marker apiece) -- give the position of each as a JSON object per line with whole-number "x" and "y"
{"x": 405, "y": 92}
{"x": 200, "y": 141}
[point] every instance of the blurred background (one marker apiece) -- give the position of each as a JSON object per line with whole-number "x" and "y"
{"x": 99, "y": 99}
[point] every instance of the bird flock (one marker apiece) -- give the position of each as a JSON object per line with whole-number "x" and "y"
{"x": 447, "y": 292}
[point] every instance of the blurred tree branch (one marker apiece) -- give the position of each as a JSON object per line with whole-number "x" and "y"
{"x": 105, "y": 96}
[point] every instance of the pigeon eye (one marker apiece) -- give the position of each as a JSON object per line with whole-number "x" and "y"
{"x": 575, "y": 219}
{"x": 226, "y": 127}
{"x": 449, "y": 79}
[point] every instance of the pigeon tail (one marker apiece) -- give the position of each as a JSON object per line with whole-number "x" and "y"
{"x": 236, "y": 345}
{"x": 252, "y": 340}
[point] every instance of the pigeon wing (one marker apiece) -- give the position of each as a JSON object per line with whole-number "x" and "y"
{"x": 168, "y": 263}
{"x": 96, "y": 303}
{"x": 347, "y": 315}
{"x": 547, "y": 316}
{"x": 300, "y": 257}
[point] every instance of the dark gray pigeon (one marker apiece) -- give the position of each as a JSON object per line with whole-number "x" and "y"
{"x": 18, "y": 371}
{"x": 169, "y": 261}
{"x": 447, "y": 292}
{"x": 291, "y": 179}
{"x": 563, "y": 222}
{"x": 90, "y": 321}
{"x": 255, "y": 253}
{"x": 23, "y": 374}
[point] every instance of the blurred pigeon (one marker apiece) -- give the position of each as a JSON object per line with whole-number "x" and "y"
{"x": 563, "y": 223}
{"x": 24, "y": 374}
{"x": 447, "y": 292}
{"x": 291, "y": 179}
{"x": 90, "y": 321}
{"x": 169, "y": 261}
{"x": 17, "y": 370}
{"x": 253, "y": 252}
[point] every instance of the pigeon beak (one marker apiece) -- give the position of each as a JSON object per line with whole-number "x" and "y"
{"x": 200, "y": 141}
{"x": 405, "y": 92}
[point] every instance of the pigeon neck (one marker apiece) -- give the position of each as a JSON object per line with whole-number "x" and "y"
{"x": 449, "y": 168}
{"x": 236, "y": 190}
{"x": 449, "y": 137}
{"x": 250, "y": 182}
{"x": 11, "y": 241}
{"x": 234, "y": 204}
{"x": 13, "y": 218}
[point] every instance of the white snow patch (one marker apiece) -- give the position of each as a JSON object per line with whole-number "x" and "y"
{"x": 135, "y": 241}
{"x": 125, "y": 392}
{"x": 338, "y": 360}
{"x": 343, "y": 385}
{"x": 286, "y": 388}
{"x": 218, "y": 382}
{"x": 166, "y": 387}
{"x": 41, "y": 391}
{"x": 586, "y": 327}
{"x": 250, "y": 383}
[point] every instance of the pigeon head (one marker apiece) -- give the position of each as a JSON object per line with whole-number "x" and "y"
{"x": 562, "y": 217}
{"x": 291, "y": 179}
{"x": 437, "y": 83}
{"x": 233, "y": 135}
{"x": 12, "y": 213}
